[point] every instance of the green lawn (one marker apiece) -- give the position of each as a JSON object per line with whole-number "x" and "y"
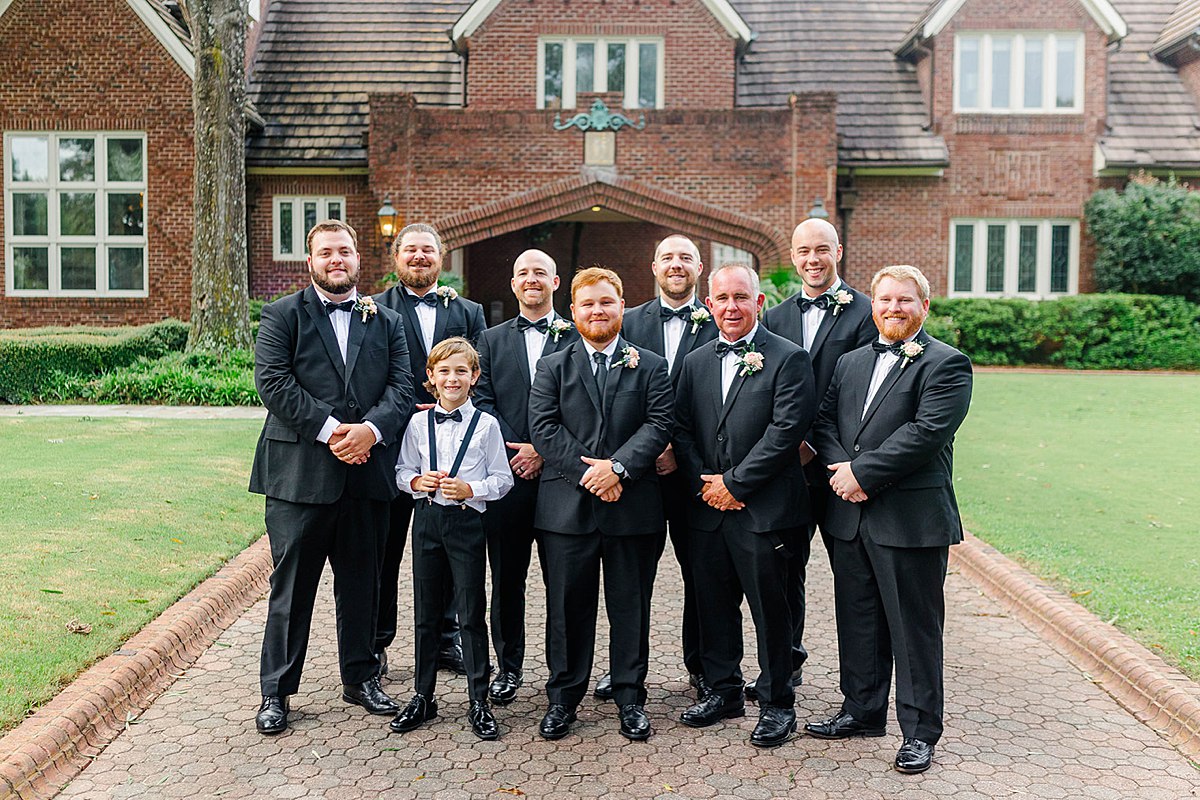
{"x": 108, "y": 521}
{"x": 1090, "y": 481}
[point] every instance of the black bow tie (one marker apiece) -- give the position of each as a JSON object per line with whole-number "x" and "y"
{"x": 739, "y": 347}
{"x": 683, "y": 312}
{"x": 822, "y": 302}
{"x": 883, "y": 347}
{"x": 455, "y": 415}
{"x": 541, "y": 326}
{"x": 429, "y": 299}
{"x": 345, "y": 305}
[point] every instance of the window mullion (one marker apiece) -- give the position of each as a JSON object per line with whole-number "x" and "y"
{"x": 600, "y": 67}
{"x": 985, "y": 72}
{"x": 1012, "y": 257}
{"x": 568, "y": 90}
{"x": 1016, "y": 93}
{"x": 632, "y": 73}
{"x": 979, "y": 283}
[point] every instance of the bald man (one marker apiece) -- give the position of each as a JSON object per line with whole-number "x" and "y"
{"x": 828, "y": 318}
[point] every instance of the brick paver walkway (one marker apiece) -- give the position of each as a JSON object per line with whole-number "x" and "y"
{"x": 1021, "y": 723}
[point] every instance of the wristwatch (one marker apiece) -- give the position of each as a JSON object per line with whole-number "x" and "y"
{"x": 619, "y": 469}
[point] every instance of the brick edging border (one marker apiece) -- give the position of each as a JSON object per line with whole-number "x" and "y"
{"x": 1157, "y": 694}
{"x": 52, "y": 746}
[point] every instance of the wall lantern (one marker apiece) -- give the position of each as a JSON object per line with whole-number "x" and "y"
{"x": 818, "y": 210}
{"x": 389, "y": 221}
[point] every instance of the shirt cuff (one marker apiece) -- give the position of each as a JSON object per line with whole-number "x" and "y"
{"x": 327, "y": 430}
{"x": 371, "y": 425}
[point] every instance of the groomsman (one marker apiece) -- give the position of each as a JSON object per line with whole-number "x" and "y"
{"x": 673, "y": 325}
{"x": 885, "y": 432}
{"x": 508, "y": 355}
{"x": 431, "y": 314}
{"x": 828, "y": 318}
{"x": 744, "y": 404}
{"x": 599, "y": 414}
{"x": 332, "y": 369}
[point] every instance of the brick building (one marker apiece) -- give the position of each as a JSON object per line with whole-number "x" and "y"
{"x": 961, "y": 135}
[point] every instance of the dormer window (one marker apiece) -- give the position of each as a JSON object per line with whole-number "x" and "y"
{"x": 1018, "y": 73}
{"x": 569, "y": 67}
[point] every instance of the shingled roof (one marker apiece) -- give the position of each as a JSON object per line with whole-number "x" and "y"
{"x": 1181, "y": 26}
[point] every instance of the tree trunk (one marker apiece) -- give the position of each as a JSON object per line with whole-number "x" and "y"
{"x": 220, "y": 311}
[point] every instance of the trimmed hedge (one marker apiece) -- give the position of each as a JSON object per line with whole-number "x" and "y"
{"x": 182, "y": 379}
{"x": 1091, "y": 331}
{"x": 34, "y": 358}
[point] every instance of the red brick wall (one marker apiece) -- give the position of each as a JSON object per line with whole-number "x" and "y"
{"x": 698, "y": 56}
{"x": 1001, "y": 166}
{"x": 108, "y": 75}
{"x": 1190, "y": 74}
{"x": 268, "y": 277}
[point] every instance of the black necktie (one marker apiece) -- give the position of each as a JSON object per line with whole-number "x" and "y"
{"x": 601, "y": 374}
{"x": 455, "y": 415}
{"x": 541, "y": 326}
{"x": 822, "y": 302}
{"x": 724, "y": 347}
{"x": 345, "y": 305}
{"x": 683, "y": 313}
{"x": 429, "y": 299}
{"x": 884, "y": 347}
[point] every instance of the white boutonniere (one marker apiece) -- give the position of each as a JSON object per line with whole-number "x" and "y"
{"x": 557, "y": 328}
{"x": 750, "y": 362}
{"x": 911, "y": 352}
{"x": 698, "y": 318}
{"x": 446, "y": 293}
{"x": 629, "y": 358}
{"x": 366, "y": 306}
{"x": 841, "y": 298}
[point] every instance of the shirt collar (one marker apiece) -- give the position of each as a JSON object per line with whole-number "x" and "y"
{"x": 548, "y": 316}
{"x": 326, "y": 301}
{"x": 691, "y": 303}
{"x": 433, "y": 288}
{"x": 608, "y": 351}
{"x": 466, "y": 408}
{"x": 837, "y": 284}
{"x": 749, "y": 337}
{"x": 909, "y": 339}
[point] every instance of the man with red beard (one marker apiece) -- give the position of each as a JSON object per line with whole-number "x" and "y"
{"x": 599, "y": 414}
{"x": 885, "y": 432}
{"x": 431, "y": 314}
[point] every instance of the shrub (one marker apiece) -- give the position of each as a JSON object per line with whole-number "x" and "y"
{"x": 780, "y": 284}
{"x": 1147, "y": 238}
{"x": 31, "y": 358}
{"x": 175, "y": 379}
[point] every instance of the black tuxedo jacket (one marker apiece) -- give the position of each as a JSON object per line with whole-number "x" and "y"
{"x": 837, "y": 335}
{"x": 902, "y": 450}
{"x": 643, "y": 327}
{"x": 302, "y": 380}
{"x": 565, "y": 422}
{"x": 459, "y": 317}
{"x": 752, "y": 439}
{"x": 504, "y": 382}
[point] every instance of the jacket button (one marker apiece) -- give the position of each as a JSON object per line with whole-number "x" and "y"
{"x": 353, "y": 404}
{"x": 856, "y": 447}
{"x": 720, "y": 437}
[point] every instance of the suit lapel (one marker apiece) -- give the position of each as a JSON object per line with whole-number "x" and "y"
{"x": 516, "y": 352}
{"x": 440, "y": 320}
{"x": 658, "y": 340}
{"x": 614, "y": 377}
{"x": 416, "y": 339}
{"x": 739, "y": 380}
{"x": 552, "y": 345}
{"x": 583, "y": 363}
{"x": 316, "y": 310}
{"x": 823, "y": 331}
{"x": 686, "y": 343}
{"x": 358, "y": 331}
{"x": 893, "y": 377}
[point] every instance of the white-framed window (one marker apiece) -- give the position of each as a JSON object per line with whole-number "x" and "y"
{"x": 568, "y": 67}
{"x": 1036, "y": 258}
{"x": 75, "y": 214}
{"x": 293, "y": 217}
{"x": 1018, "y": 73}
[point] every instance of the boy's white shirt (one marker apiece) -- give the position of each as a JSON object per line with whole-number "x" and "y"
{"x": 485, "y": 467}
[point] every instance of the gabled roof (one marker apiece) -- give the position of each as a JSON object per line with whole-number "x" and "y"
{"x": 940, "y": 12}
{"x": 480, "y": 10}
{"x": 1181, "y": 27}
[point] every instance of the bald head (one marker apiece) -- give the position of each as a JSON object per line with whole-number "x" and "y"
{"x": 535, "y": 277}
{"x": 816, "y": 252}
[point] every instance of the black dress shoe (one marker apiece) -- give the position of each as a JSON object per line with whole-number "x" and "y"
{"x": 775, "y": 726}
{"x": 914, "y": 756}
{"x": 272, "y": 715}
{"x": 635, "y": 725}
{"x": 752, "y": 687}
{"x": 700, "y": 684}
{"x": 504, "y": 688}
{"x": 842, "y": 726}
{"x": 419, "y": 710}
{"x": 604, "y": 687}
{"x": 381, "y": 657}
{"x": 451, "y": 658}
{"x": 712, "y": 709}
{"x": 370, "y": 695}
{"x": 482, "y": 722}
{"x": 557, "y": 722}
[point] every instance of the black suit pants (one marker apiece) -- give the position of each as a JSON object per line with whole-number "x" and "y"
{"x": 731, "y": 562}
{"x": 350, "y": 534}
{"x": 399, "y": 516}
{"x": 449, "y": 551}
{"x": 510, "y": 537}
{"x": 675, "y": 501}
{"x": 890, "y": 608}
{"x": 573, "y": 568}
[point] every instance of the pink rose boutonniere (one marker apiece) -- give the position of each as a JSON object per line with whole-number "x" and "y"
{"x": 911, "y": 352}
{"x": 366, "y": 306}
{"x": 629, "y": 358}
{"x": 446, "y": 294}
{"x": 750, "y": 362}
{"x": 698, "y": 318}
{"x": 841, "y": 298}
{"x": 558, "y": 327}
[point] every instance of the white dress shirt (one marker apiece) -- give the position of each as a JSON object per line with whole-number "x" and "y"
{"x": 484, "y": 467}
{"x": 535, "y": 342}
{"x": 729, "y": 366}
{"x": 341, "y": 329}
{"x": 883, "y": 365}
{"x": 815, "y": 316}
{"x": 426, "y": 316}
{"x": 609, "y": 352}
{"x": 673, "y": 329}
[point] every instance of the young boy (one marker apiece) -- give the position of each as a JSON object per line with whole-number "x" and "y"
{"x": 452, "y": 461}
